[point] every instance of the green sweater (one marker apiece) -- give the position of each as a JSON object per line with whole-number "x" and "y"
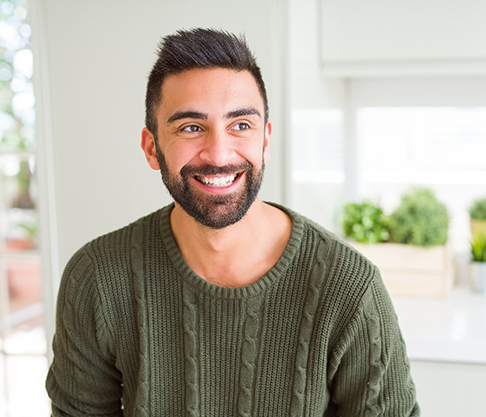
{"x": 140, "y": 334}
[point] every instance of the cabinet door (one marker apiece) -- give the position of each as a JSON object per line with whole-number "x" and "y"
{"x": 417, "y": 36}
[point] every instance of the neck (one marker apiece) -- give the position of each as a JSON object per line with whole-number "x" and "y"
{"x": 185, "y": 227}
{"x": 236, "y": 255}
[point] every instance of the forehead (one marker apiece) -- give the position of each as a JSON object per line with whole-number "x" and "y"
{"x": 210, "y": 90}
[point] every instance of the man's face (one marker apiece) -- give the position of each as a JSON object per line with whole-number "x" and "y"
{"x": 212, "y": 143}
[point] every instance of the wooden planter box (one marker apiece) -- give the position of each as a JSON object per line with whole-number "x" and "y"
{"x": 410, "y": 270}
{"x": 477, "y": 225}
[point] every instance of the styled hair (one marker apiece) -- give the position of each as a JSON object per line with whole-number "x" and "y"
{"x": 198, "y": 48}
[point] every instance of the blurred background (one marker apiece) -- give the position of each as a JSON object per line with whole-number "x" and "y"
{"x": 379, "y": 135}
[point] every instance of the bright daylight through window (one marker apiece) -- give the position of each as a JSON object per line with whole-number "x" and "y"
{"x": 396, "y": 148}
{"x": 439, "y": 147}
{"x": 23, "y": 363}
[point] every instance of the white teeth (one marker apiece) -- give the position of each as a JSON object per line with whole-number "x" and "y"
{"x": 218, "y": 181}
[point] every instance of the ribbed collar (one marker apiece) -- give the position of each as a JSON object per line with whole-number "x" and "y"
{"x": 258, "y": 287}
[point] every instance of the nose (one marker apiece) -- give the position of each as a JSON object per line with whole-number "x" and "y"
{"x": 217, "y": 148}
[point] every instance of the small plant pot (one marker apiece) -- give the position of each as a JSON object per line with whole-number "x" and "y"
{"x": 24, "y": 280}
{"x": 477, "y": 276}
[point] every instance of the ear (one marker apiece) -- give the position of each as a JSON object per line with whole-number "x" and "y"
{"x": 266, "y": 145}
{"x": 148, "y": 146}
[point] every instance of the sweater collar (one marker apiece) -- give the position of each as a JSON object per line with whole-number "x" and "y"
{"x": 261, "y": 285}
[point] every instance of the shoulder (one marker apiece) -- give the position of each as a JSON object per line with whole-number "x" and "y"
{"x": 120, "y": 238}
{"x": 107, "y": 259}
{"x": 104, "y": 272}
{"x": 116, "y": 245}
{"x": 343, "y": 274}
{"x": 340, "y": 256}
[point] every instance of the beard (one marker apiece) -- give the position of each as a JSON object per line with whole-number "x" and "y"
{"x": 213, "y": 211}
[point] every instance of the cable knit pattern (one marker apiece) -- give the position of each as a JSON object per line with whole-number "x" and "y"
{"x": 143, "y": 391}
{"x": 190, "y": 353}
{"x": 315, "y": 336}
{"x": 307, "y": 322}
{"x": 249, "y": 353}
{"x": 375, "y": 365}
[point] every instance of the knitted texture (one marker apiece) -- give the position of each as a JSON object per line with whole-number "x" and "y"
{"x": 140, "y": 334}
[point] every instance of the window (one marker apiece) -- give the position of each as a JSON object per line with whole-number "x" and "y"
{"x": 317, "y": 163}
{"x": 317, "y": 151}
{"x": 389, "y": 135}
{"x": 23, "y": 362}
{"x": 439, "y": 147}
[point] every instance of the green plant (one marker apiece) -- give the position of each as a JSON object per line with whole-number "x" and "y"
{"x": 30, "y": 228}
{"x": 477, "y": 211}
{"x": 365, "y": 222}
{"x": 478, "y": 247}
{"x": 420, "y": 220}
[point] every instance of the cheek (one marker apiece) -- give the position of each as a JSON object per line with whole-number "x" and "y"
{"x": 251, "y": 149}
{"x": 179, "y": 156}
{"x": 258, "y": 154}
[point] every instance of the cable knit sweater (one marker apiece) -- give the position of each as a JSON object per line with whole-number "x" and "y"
{"x": 140, "y": 334}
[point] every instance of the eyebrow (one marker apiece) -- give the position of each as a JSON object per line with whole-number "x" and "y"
{"x": 246, "y": 111}
{"x": 187, "y": 115}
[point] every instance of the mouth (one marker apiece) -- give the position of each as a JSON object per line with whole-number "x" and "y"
{"x": 217, "y": 181}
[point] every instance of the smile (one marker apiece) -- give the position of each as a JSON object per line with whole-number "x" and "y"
{"x": 217, "y": 181}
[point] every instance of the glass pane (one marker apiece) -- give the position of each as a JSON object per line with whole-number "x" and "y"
{"x": 317, "y": 146}
{"x": 317, "y": 163}
{"x": 23, "y": 363}
{"x": 23, "y": 330}
{"x": 439, "y": 140}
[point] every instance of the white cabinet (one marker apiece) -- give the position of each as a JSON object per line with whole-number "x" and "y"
{"x": 390, "y": 37}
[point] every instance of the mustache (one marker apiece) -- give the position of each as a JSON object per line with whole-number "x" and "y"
{"x": 207, "y": 169}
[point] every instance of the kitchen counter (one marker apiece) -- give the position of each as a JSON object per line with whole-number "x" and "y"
{"x": 450, "y": 329}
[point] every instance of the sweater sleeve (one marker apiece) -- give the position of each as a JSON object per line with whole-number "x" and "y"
{"x": 370, "y": 368}
{"x": 83, "y": 379}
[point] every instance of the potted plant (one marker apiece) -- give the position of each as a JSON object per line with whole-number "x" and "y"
{"x": 415, "y": 259}
{"x": 23, "y": 232}
{"x": 365, "y": 222}
{"x": 477, "y": 216}
{"x": 23, "y": 264}
{"x": 477, "y": 267}
{"x": 420, "y": 220}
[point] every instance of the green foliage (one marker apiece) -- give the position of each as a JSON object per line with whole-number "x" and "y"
{"x": 477, "y": 211}
{"x": 420, "y": 220}
{"x": 30, "y": 227}
{"x": 478, "y": 247}
{"x": 15, "y": 77}
{"x": 365, "y": 222}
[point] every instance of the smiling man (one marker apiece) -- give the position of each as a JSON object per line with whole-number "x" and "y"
{"x": 210, "y": 122}
{"x": 221, "y": 304}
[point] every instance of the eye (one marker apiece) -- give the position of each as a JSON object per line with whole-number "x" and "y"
{"x": 191, "y": 129}
{"x": 241, "y": 126}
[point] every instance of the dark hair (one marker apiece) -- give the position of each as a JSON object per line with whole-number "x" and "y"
{"x": 198, "y": 48}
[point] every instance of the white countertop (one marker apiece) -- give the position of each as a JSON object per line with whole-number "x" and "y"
{"x": 451, "y": 329}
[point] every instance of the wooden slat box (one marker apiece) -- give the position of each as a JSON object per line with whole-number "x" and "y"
{"x": 410, "y": 270}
